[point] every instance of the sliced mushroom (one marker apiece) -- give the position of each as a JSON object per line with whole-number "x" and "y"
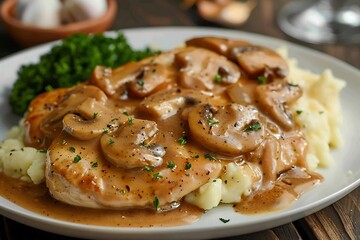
{"x": 142, "y": 78}
{"x": 256, "y": 61}
{"x": 133, "y": 146}
{"x": 202, "y": 69}
{"x": 39, "y": 109}
{"x": 101, "y": 77}
{"x": 149, "y": 79}
{"x": 94, "y": 120}
{"x": 221, "y": 46}
{"x": 52, "y": 123}
{"x": 243, "y": 93}
{"x": 167, "y": 103}
{"x": 273, "y": 99}
{"x": 232, "y": 129}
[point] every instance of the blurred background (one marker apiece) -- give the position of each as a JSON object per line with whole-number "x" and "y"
{"x": 257, "y": 16}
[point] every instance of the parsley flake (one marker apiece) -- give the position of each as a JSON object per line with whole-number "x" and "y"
{"x": 156, "y": 203}
{"x": 153, "y": 70}
{"x": 149, "y": 168}
{"x": 111, "y": 141}
{"x": 157, "y": 176}
{"x": 182, "y": 141}
{"x": 95, "y": 114}
{"x": 140, "y": 83}
{"x": 122, "y": 191}
{"x": 212, "y": 122}
{"x": 217, "y": 78}
{"x": 187, "y": 165}
{"x": 255, "y": 126}
{"x": 171, "y": 165}
{"x": 224, "y": 220}
{"x": 131, "y": 120}
{"x": 106, "y": 131}
{"x": 43, "y": 150}
{"x": 77, "y": 158}
{"x": 196, "y": 156}
{"x": 261, "y": 80}
{"x": 126, "y": 113}
{"x": 72, "y": 149}
{"x": 94, "y": 164}
{"x": 298, "y": 112}
{"x": 210, "y": 157}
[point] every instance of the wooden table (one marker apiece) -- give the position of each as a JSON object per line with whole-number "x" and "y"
{"x": 338, "y": 221}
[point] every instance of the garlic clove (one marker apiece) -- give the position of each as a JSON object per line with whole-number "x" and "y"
{"x": 41, "y": 13}
{"x": 226, "y": 12}
{"x": 79, "y": 10}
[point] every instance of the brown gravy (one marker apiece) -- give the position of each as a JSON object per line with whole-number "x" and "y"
{"x": 37, "y": 199}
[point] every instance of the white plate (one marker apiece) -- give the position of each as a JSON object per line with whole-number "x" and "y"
{"x": 338, "y": 182}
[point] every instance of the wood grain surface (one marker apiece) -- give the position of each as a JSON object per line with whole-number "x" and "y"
{"x": 338, "y": 221}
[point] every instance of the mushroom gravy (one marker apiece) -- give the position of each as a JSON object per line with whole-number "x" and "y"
{"x": 148, "y": 133}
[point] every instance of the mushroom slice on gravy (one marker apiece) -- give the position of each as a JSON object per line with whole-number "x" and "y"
{"x": 231, "y": 130}
{"x": 273, "y": 99}
{"x": 203, "y": 69}
{"x": 254, "y": 60}
{"x": 133, "y": 146}
{"x": 167, "y": 103}
{"x": 221, "y": 46}
{"x": 52, "y": 123}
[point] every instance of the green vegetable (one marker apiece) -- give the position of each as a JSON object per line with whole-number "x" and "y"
{"x": 77, "y": 158}
{"x": 253, "y": 127}
{"x": 71, "y": 62}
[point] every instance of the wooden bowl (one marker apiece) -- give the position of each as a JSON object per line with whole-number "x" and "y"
{"x": 28, "y": 35}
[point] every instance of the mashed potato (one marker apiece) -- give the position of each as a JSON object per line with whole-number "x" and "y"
{"x": 18, "y": 161}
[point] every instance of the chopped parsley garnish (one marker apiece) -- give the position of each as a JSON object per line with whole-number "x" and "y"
{"x": 187, "y": 165}
{"x": 171, "y": 165}
{"x": 157, "y": 176}
{"x": 149, "y": 168}
{"x": 255, "y": 126}
{"x": 140, "y": 83}
{"x": 111, "y": 141}
{"x": 106, "y": 131}
{"x": 298, "y": 112}
{"x": 122, "y": 191}
{"x": 217, "y": 78}
{"x": 182, "y": 141}
{"x": 131, "y": 120}
{"x": 95, "y": 115}
{"x": 72, "y": 149}
{"x": 214, "y": 180}
{"x": 224, "y": 220}
{"x": 210, "y": 157}
{"x": 261, "y": 80}
{"x": 94, "y": 164}
{"x": 154, "y": 70}
{"x": 43, "y": 150}
{"x": 77, "y": 158}
{"x": 196, "y": 156}
{"x": 143, "y": 144}
{"x": 156, "y": 203}
{"x": 213, "y": 122}
{"x": 126, "y": 113}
